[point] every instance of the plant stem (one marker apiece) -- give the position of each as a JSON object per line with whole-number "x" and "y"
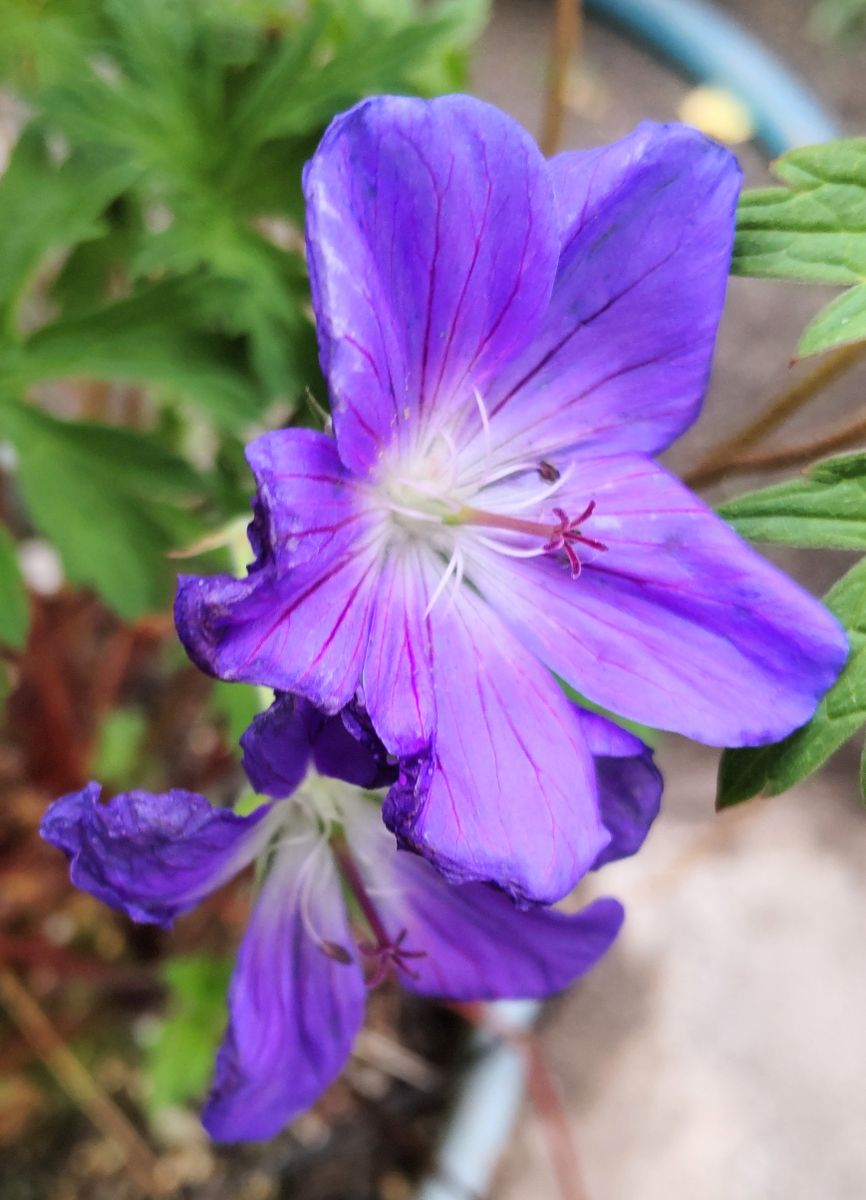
{"x": 727, "y": 456}
{"x": 845, "y": 438}
{"x": 565, "y": 42}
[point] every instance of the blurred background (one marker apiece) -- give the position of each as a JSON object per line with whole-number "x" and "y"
{"x": 154, "y": 314}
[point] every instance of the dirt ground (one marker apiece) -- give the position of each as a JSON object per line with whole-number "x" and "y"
{"x": 719, "y": 1053}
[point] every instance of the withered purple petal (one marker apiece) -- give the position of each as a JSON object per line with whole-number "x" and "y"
{"x": 152, "y": 856}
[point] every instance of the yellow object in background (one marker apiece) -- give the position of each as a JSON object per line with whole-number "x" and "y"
{"x": 718, "y": 113}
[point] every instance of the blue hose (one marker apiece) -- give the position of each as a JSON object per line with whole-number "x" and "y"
{"x": 705, "y": 44}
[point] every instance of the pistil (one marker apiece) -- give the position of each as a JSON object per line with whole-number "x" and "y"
{"x": 385, "y": 951}
{"x": 563, "y": 535}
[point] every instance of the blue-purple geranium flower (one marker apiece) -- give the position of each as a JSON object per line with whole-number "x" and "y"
{"x": 297, "y": 996}
{"x": 507, "y": 342}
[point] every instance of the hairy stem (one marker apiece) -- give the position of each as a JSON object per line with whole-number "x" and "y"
{"x": 728, "y": 455}
{"x": 845, "y": 438}
{"x": 565, "y": 42}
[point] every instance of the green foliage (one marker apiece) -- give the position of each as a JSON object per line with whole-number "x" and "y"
{"x": 237, "y": 704}
{"x": 813, "y": 229}
{"x": 113, "y": 501}
{"x": 180, "y": 1061}
{"x": 151, "y": 234}
{"x": 768, "y": 770}
{"x": 839, "y": 18}
{"x": 824, "y": 508}
{"x": 14, "y": 609}
{"x": 117, "y": 758}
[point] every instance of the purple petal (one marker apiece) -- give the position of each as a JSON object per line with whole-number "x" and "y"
{"x": 624, "y": 357}
{"x": 468, "y": 941}
{"x": 398, "y": 668}
{"x": 282, "y": 742}
{"x": 507, "y": 794}
{"x": 278, "y": 745}
{"x": 308, "y": 503}
{"x": 432, "y": 245}
{"x": 296, "y": 1001}
{"x": 303, "y": 631}
{"x": 152, "y": 856}
{"x": 629, "y": 785}
{"x": 679, "y": 624}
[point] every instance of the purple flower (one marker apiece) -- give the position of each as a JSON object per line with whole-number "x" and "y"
{"x": 507, "y": 342}
{"x": 297, "y": 996}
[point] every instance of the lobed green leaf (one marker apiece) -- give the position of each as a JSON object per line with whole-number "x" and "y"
{"x": 825, "y": 508}
{"x": 814, "y": 229}
{"x": 769, "y": 770}
{"x": 14, "y": 606}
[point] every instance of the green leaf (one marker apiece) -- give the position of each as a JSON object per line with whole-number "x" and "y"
{"x": 46, "y": 206}
{"x": 812, "y": 229}
{"x": 769, "y": 770}
{"x": 111, "y": 501}
{"x": 14, "y": 606}
{"x": 149, "y": 338}
{"x": 237, "y": 704}
{"x": 118, "y": 750}
{"x": 180, "y": 1061}
{"x": 825, "y": 508}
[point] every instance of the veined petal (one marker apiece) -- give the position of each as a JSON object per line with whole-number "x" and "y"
{"x": 281, "y": 743}
{"x": 398, "y": 668}
{"x": 296, "y": 1001}
{"x": 303, "y": 630}
{"x": 629, "y": 785}
{"x": 679, "y": 624}
{"x": 469, "y": 941}
{"x": 507, "y": 792}
{"x": 311, "y": 505}
{"x": 432, "y": 245}
{"x": 152, "y": 856}
{"x": 624, "y": 357}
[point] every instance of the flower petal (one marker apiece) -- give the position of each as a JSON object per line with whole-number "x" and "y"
{"x": 624, "y": 357}
{"x": 296, "y": 1001}
{"x": 280, "y": 744}
{"x": 629, "y": 785}
{"x": 507, "y": 793}
{"x": 152, "y": 856}
{"x": 679, "y": 624}
{"x": 309, "y": 503}
{"x": 398, "y": 667}
{"x": 303, "y": 630}
{"x": 468, "y": 941}
{"x": 432, "y": 244}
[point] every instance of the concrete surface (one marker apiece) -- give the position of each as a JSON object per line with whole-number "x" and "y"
{"x": 720, "y": 1052}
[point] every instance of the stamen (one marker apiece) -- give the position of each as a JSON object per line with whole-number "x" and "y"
{"x": 537, "y": 498}
{"x": 440, "y": 586}
{"x": 511, "y": 551}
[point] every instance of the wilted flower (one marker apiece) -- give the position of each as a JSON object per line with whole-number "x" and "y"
{"x": 507, "y": 341}
{"x": 297, "y": 995}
